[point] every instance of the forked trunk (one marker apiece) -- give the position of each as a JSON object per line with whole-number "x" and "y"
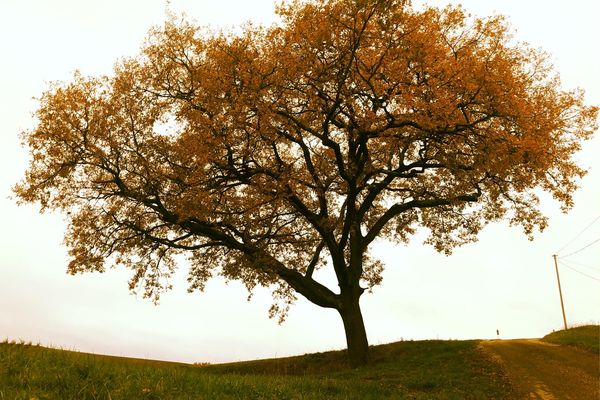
{"x": 356, "y": 335}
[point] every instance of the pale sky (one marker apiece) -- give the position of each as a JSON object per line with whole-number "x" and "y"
{"x": 501, "y": 282}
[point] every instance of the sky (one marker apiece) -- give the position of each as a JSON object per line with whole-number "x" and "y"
{"x": 502, "y": 282}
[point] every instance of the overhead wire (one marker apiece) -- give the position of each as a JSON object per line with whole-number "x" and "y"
{"x": 581, "y": 249}
{"x": 579, "y": 272}
{"x": 579, "y": 234}
{"x": 579, "y": 264}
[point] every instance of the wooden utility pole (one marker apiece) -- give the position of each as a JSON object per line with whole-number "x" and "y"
{"x": 562, "y": 306}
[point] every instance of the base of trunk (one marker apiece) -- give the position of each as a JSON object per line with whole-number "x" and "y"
{"x": 356, "y": 335}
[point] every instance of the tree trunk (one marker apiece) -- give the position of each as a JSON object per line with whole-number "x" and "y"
{"x": 356, "y": 335}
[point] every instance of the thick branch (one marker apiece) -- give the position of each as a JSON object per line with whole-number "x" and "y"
{"x": 315, "y": 259}
{"x": 305, "y": 285}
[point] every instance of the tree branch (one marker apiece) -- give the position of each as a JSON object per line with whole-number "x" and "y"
{"x": 398, "y": 209}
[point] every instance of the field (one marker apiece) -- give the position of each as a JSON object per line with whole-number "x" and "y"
{"x": 403, "y": 370}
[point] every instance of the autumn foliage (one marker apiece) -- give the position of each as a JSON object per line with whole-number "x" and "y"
{"x": 266, "y": 155}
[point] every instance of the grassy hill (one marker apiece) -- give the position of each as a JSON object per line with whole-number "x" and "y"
{"x": 584, "y": 337}
{"x": 404, "y": 370}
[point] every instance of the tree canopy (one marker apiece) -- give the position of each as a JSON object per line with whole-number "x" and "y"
{"x": 268, "y": 154}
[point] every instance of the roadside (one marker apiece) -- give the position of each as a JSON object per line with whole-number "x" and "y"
{"x": 546, "y": 371}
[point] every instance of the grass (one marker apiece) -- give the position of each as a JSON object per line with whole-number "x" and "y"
{"x": 403, "y": 370}
{"x": 585, "y": 337}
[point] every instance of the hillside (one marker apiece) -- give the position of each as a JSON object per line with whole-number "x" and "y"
{"x": 584, "y": 337}
{"x": 403, "y": 370}
{"x": 507, "y": 369}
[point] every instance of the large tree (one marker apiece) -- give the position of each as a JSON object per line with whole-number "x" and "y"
{"x": 266, "y": 155}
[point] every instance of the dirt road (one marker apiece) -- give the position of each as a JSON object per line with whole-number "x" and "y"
{"x": 544, "y": 371}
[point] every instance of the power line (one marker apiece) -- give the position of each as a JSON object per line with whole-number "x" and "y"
{"x": 579, "y": 234}
{"x": 579, "y": 272}
{"x": 594, "y": 268}
{"x": 581, "y": 249}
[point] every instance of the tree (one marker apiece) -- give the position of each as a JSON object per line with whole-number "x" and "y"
{"x": 266, "y": 155}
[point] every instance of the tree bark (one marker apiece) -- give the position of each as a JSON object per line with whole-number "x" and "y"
{"x": 356, "y": 335}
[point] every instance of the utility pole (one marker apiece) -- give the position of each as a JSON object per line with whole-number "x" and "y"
{"x": 562, "y": 306}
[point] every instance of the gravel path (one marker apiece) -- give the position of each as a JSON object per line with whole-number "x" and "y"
{"x": 545, "y": 371}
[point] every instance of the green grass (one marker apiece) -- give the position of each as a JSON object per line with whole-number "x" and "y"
{"x": 404, "y": 370}
{"x": 585, "y": 337}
